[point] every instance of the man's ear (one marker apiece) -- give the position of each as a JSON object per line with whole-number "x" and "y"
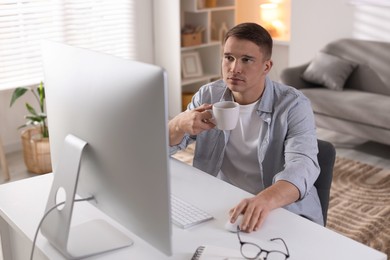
{"x": 268, "y": 66}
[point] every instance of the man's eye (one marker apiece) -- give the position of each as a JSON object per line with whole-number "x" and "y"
{"x": 246, "y": 60}
{"x": 229, "y": 58}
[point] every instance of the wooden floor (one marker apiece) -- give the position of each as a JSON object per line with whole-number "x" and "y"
{"x": 358, "y": 149}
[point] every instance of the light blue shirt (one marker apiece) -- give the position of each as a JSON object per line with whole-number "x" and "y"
{"x": 287, "y": 148}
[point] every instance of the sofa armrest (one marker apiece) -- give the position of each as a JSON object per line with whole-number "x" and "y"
{"x": 292, "y": 77}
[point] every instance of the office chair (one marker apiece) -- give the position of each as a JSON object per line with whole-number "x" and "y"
{"x": 326, "y": 158}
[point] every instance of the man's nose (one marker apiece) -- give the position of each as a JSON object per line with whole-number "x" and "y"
{"x": 236, "y": 67}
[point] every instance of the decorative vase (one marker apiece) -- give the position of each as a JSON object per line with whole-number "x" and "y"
{"x": 36, "y": 151}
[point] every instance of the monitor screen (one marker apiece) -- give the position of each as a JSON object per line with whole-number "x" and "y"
{"x": 118, "y": 107}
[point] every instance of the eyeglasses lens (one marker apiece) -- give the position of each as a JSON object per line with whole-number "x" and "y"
{"x": 251, "y": 251}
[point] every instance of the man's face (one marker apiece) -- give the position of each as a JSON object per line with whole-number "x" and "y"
{"x": 244, "y": 69}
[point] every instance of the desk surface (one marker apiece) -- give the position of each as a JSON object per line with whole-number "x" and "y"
{"x": 22, "y": 205}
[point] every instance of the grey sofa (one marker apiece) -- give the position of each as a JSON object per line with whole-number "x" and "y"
{"x": 349, "y": 87}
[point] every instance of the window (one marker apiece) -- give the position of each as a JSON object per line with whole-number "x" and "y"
{"x": 102, "y": 25}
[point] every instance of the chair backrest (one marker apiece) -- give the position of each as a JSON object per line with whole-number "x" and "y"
{"x": 326, "y": 159}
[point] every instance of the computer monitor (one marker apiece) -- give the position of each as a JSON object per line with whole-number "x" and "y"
{"x": 107, "y": 120}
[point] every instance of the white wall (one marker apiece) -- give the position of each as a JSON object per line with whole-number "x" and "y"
{"x": 144, "y": 25}
{"x": 249, "y": 11}
{"x": 166, "y": 41}
{"x": 11, "y": 119}
{"x": 372, "y": 22}
{"x": 314, "y": 23}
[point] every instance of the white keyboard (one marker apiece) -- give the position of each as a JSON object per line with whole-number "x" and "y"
{"x": 185, "y": 215}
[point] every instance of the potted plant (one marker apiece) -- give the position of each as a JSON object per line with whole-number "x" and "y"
{"x": 35, "y": 139}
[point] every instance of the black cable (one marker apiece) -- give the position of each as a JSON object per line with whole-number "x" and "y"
{"x": 43, "y": 218}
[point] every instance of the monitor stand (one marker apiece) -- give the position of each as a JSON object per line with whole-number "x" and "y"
{"x": 87, "y": 239}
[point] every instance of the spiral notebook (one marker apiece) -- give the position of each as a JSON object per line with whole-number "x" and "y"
{"x": 209, "y": 252}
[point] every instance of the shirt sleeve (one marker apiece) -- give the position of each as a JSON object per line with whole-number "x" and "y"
{"x": 300, "y": 148}
{"x": 187, "y": 139}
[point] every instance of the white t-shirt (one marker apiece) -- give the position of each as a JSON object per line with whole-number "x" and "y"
{"x": 240, "y": 165}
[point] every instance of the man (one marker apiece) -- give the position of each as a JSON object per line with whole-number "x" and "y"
{"x": 272, "y": 153}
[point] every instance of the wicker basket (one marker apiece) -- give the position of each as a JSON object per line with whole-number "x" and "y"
{"x": 36, "y": 151}
{"x": 211, "y": 3}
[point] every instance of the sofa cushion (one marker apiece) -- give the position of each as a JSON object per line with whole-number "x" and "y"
{"x": 351, "y": 105}
{"x": 329, "y": 71}
{"x": 372, "y": 74}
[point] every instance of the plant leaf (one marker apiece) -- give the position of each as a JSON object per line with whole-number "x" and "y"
{"x": 41, "y": 92}
{"x": 18, "y": 92}
{"x": 45, "y": 132}
{"x": 26, "y": 124}
{"x": 35, "y": 118}
{"x": 43, "y": 115}
{"x": 31, "y": 109}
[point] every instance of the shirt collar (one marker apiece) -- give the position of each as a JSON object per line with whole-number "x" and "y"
{"x": 267, "y": 99}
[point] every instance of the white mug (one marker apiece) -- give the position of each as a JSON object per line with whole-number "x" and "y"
{"x": 225, "y": 114}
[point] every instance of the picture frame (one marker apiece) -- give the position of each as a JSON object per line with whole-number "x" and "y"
{"x": 191, "y": 65}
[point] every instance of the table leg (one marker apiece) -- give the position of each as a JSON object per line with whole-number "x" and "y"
{"x": 3, "y": 162}
{"x": 5, "y": 239}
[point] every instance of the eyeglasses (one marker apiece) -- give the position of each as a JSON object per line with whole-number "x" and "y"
{"x": 253, "y": 251}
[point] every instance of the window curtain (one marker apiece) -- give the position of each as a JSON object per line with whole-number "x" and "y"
{"x": 101, "y": 25}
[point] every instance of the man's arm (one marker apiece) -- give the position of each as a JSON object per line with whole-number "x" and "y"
{"x": 257, "y": 208}
{"x": 299, "y": 173}
{"x": 191, "y": 122}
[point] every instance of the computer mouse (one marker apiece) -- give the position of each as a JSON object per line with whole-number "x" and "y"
{"x": 232, "y": 227}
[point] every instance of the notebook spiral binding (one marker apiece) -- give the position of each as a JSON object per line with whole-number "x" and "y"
{"x": 198, "y": 253}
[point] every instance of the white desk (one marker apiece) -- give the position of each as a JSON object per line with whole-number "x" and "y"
{"x": 22, "y": 204}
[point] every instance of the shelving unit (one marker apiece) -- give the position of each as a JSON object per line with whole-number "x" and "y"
{"x": 215, "y": 21}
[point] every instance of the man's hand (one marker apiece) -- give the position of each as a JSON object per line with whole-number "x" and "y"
{"x": 257, "y": 208}
{"x": 255, "y": 211}
{"x": 192, "y": 122}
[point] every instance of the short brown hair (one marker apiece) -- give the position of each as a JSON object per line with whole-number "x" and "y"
{"x": 255, "y": 33}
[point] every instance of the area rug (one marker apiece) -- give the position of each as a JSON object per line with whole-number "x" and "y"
{"x": 359, "y": 205}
